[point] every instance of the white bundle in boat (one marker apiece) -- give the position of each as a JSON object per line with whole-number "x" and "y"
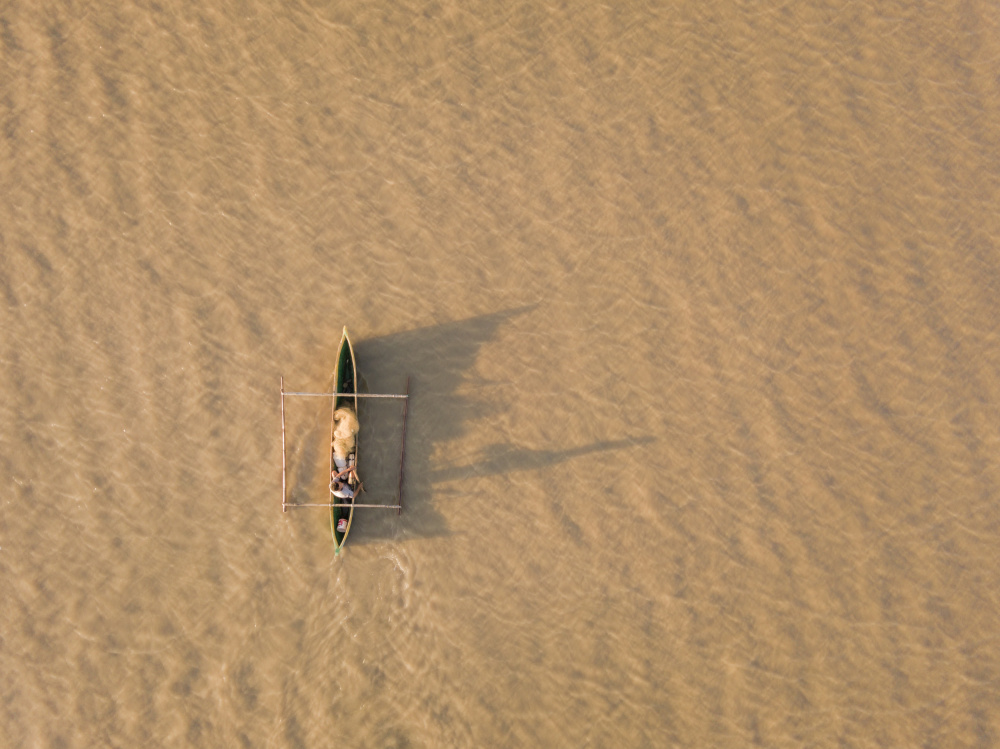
{"x": 345, "y": 426}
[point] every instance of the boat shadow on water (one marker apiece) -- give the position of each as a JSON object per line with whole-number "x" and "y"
{"x": 507, "y": 458}
{"x": 439, "y": 360}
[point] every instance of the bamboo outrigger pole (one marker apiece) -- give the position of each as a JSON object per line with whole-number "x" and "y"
{"x": 285, "y": 505}
{"x": 402, "y": 450}
{"x": 283, "y": 495}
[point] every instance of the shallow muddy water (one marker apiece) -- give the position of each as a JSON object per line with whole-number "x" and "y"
{"x": 700, "y": 307}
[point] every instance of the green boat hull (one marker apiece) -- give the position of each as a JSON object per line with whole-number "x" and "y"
{"x": 344, "y": 381}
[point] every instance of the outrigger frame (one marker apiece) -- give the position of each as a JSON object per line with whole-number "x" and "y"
{"x": 398, "y": 507}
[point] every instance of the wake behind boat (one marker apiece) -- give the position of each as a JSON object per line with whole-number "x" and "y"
{"x": 345, "y": 483}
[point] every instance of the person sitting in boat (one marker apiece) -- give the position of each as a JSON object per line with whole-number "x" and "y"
{"x": 342, "y": 489}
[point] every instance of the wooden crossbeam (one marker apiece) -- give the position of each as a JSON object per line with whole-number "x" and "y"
{"x": 349, "y": 395}
{"x": 385, "y": 507}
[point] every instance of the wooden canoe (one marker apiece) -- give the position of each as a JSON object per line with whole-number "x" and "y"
{"x": 344, "y": 381}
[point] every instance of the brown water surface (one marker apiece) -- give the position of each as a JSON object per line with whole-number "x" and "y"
{"x": 700, "y": 303}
